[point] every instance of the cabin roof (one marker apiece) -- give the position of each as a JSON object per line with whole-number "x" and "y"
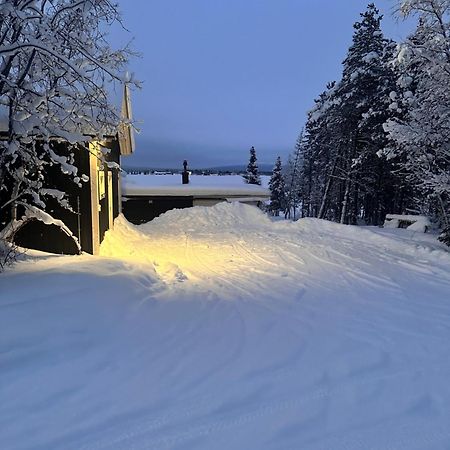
{"x": 199, "y": 186}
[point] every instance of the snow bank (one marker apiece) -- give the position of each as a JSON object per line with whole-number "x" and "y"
{"x": 216, "y": 328}
{"x": 226, "y": 216}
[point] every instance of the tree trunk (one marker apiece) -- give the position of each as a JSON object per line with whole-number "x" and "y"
{"x": 355, "y": 209}
{"x": 326, "y": 193}
{"x": 444, "y": 212}
{"x": 345, "y": 202}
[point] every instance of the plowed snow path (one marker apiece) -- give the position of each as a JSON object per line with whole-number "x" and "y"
{"x": 215, "y": 328}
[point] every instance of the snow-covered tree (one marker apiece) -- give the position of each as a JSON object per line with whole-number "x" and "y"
{"x": 292, "y": 180}
{"x": 421, "y": 132}
{"x": 320, "y": 156}
{"x": 55, "y": 69}
{"x": 252, "y": 173}
{"x": 277, "y": 189}
{"x": 345, "y": 177}
{"x": 367, "y": 80}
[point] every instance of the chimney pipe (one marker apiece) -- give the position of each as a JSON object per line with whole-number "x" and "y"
{"x": 185, "y": 173}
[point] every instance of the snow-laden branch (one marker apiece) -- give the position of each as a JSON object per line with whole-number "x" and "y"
{"x": 55, "y": 67}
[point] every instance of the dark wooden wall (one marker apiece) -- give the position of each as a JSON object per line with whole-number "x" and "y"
{"x": 49, "y": 238}
{"x": 78, "y": 218}
{"x": 35, "y": 234}
{"x": 142, "y": 209}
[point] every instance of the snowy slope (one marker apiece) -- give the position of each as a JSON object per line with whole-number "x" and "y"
{"x": 215, "y": 328}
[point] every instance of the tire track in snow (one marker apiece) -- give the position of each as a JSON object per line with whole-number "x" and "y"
{"x": 233, "y": 279}
{"x": 272, "y": 408}
{"x": 419, "y": 436}
{"x": 261, "y": 411}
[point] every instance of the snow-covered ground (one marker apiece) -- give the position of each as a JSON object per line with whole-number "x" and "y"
{"x": 215, "y": 328}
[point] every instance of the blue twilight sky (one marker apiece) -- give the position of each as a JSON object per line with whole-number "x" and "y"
{"x": 222, "y": 75}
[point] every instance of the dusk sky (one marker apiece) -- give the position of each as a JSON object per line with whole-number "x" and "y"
{"x": 221, "y": 76}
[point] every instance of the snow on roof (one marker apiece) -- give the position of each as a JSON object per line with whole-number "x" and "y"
{"x": 200, "y": 185}
{"x": 408, "y": 217}
{"x": 418, "y": 223}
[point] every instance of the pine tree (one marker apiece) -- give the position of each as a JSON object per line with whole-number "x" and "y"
{"x": 346, "y": 178}
{"x": 364, "y": 92}
{"x": 277, "y": 189}
{"x": 252, "y": 174}
{"x": 292, "y": 177}
{"x": 320, "y": 156}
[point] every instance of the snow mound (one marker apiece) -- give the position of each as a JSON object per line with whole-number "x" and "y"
{"x": 163, "y": 242}
{"x": 125, "y": 241}
{"x": 128, "y": 240}
{"x": 223, "y": 216}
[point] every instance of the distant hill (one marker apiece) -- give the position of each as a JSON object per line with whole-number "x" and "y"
{"x": 240, "y": 168}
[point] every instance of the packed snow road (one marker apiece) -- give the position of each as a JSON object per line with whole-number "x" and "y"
{"x": 216, "y": 328}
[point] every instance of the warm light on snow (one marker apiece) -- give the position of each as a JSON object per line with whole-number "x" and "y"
{"x": 175, "y": 253}
{"x": 215, "y": 328}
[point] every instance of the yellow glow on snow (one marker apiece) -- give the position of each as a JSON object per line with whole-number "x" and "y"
{"x": 176, "y": 256}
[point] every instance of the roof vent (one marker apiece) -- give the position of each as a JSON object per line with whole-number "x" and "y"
{"x": 185, "y": 173}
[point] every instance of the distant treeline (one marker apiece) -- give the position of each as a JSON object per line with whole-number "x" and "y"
{"x": 213, "y": 171}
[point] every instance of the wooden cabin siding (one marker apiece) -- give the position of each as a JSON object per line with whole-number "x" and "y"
{"x": 88, "y": 217}
{"x": 37, "y": 235}
{"x": 49, "y": 238}
{"x": 142, "y": 209}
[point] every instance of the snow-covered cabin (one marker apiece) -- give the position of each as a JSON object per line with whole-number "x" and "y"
{"x": 145, "y": 197}
{"x": 95, "y": 203}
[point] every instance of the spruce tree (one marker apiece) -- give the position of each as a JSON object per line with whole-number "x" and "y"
{"x": 292, "y": 177}
{"x": 320, "y": 156}
{"x": 364, "y": 92}
{"x": 252, "y": 173}
{"x": 345, "y": 175}
{"x": 277, "y": 189}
